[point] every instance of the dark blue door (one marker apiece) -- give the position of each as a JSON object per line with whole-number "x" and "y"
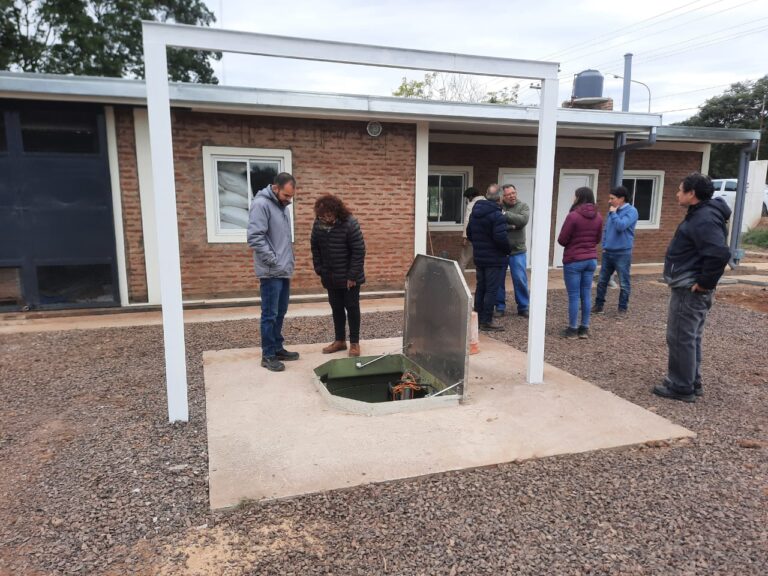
{"x": 57, "y": 240}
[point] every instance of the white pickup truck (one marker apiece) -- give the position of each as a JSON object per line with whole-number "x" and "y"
{"x": 726, "y": 187}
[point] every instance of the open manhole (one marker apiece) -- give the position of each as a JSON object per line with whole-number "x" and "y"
{"x": 431, "y": 368}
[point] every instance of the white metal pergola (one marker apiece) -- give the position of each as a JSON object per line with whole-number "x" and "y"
{"x": 159, "y": 37}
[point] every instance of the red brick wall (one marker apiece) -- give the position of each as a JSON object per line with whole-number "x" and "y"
{"x": 650, "y": 245}
{"x": 129, "y": 186}
{"x": 375, "y": 176}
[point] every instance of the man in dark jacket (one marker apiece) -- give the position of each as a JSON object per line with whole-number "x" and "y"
{"x": 695, "y": 261}
{"x": 487, "y": 231}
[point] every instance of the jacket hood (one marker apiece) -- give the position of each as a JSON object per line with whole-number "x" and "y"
{"x": 485, "y": 207}
{"x": 589, "y": 211}
{"x": 720, "y": 207}
{"x": 266, "y": 192}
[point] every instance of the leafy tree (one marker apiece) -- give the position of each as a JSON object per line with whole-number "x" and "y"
{"x": 743, "y": 105}
{"x": 97, "y": 37}
{"x": 454, "y": 88}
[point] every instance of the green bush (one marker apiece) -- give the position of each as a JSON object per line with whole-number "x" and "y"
{"x": 756, "y": 237}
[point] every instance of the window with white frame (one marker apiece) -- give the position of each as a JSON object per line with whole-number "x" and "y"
{"x": 233, "y": 176}
{"x": 446, "y": 185}
{"x": 646, "y": 188}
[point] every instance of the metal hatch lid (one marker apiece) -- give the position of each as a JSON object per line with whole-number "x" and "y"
{"x": 438, "y": 311}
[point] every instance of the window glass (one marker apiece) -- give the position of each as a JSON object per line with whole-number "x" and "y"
{"x": 643, "y": 198}
{"x": 730, "y": 185}
{"x": 452, "y": 188}
{"x": 446, "y": 200}
{"x": 433, "y": 188}
{"x": 263, "y": 174}
{"x": 60, "y": 132}
{"x": 642, "y": 192}
{"x": 232, "y": 181}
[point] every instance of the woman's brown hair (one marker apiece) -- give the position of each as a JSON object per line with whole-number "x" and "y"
{"x": 330, "y": 204}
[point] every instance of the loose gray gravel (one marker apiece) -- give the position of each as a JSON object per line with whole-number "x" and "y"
{"x": 94, "y": 481}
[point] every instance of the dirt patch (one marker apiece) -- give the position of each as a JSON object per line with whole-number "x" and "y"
{"x": 752, "y": 298}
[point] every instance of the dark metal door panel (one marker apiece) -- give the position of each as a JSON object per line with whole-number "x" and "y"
{"x": 56, "y": 205}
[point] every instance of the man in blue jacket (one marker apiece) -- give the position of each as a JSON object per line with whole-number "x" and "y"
{"x": 695, "y": 261}
{"x": 618, "y": 241}
{"x": 487, "y": 231}
{"x": 269, "y": 235}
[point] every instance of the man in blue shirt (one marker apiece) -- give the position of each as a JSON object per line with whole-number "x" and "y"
{"x": 618, "y": 241}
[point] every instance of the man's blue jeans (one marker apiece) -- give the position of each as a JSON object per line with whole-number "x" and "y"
{"x": 619, "y": 262}
{"x": 488, "y": 280}
{"x": 274, "y": 304}
{"x": 578, "y": 282}
{"x": 517, "y": 264}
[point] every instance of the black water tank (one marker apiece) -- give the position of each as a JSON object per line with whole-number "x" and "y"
{"x": 588, "y": 84}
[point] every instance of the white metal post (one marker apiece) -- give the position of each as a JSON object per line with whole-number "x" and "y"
{"x": 161, "y": 145}
{"x": 542, "y": 219}
{"x": 421, "y": 209}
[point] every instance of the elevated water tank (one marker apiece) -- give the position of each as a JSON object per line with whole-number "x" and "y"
{"x": 588, "y": 84}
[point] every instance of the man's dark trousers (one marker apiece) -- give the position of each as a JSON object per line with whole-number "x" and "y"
{"x": 685, "y": 325}
{"x": 489, "y": 278}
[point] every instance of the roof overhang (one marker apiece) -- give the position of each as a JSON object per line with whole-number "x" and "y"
{"x": 216, "y": 98}
{"x": 494, "y": 118}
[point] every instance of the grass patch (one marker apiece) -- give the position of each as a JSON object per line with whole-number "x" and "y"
{"x": 756, "y": 237}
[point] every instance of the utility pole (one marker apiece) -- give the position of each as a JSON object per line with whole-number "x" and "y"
{"x": 762, "y": 119}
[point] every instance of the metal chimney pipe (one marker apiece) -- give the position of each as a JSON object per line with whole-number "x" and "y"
{"x": 627, "y": 82}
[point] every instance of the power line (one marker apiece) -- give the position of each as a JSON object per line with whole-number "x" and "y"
{"x": 662, "y": 56}
{"x": 634, "y": 26}
{"x": 692, "y": 39}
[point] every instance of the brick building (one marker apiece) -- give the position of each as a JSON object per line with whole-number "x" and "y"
{"x": 229, "y": 141}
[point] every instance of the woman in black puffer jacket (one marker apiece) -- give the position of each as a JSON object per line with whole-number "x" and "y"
{"x": 338, "y": 254}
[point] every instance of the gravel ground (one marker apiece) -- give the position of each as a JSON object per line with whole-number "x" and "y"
{"x": 96, "y": 482}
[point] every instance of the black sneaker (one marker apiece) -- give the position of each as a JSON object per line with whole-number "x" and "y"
{"x": 583, "y": 332}
{"x": 500, "y": 313}
{"x": 664, "y": 392}
{"x": 286, "y": 356}
{"x": 698, "y": 390}
{"x": 597, "y": 309}
{"x": 570, "y": 333}
{"x": 623, "y": 312}
{"x": 491, "y": 327}
{"x": 523, "y": 313}
{"x": 272, "y": 364}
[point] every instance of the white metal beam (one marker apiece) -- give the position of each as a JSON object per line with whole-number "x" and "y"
{"x": 157, "y": 37}
{"x": 542, "y": 219}
{"x": 216, "y": 39}
{"x": 161, "y": 144}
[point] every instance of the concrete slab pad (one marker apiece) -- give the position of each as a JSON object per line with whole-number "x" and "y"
{"x": 752, "y": 279}
{"x": 273, "y": 436}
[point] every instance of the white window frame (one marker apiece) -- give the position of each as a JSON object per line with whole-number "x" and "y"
{"x": 658, "y": 196}
{"x": 467, "y": 171}
{"x": 214, "y": 154}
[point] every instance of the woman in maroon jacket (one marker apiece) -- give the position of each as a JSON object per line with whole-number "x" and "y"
{"x": 580, "y": 235}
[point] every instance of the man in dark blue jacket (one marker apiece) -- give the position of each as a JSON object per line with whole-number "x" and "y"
{"x": 487, "y": 231}
{"x": 695, "y": 261}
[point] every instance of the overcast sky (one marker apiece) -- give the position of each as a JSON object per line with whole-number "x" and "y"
{"x": 685, "y": 50}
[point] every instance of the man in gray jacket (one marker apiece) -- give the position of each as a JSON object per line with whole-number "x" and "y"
{"x": 269, "y": 234}
{"x": 516, "y": 214}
